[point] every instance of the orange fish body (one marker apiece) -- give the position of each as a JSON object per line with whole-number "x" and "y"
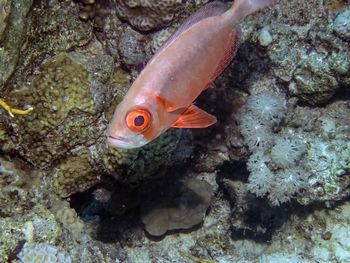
{"x": 162, "y": 96}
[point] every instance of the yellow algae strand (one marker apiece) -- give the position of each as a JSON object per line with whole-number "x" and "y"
{"x": 12, "y": 111}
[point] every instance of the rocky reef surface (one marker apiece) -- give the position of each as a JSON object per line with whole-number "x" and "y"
{"x": 269, "y": 182}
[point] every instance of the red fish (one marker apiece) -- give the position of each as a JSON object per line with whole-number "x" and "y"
{"x": 189, "y": 61}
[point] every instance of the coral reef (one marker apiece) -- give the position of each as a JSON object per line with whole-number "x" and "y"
{"x": 63, "y": 102}
{"x": 15, "y": 181}
{"x": 293, "y": 160}
{"x": 47, "y": 29}
{"x": 342, "y": 25}
{"x": 262, "y": 113}
{"x": 270, "y": 181}
{"x": 13, "y": 16}
{"x": 147, "y": 14}
{"x": 75, "y": 174}
{"x": 130, "y": 48}
{"x": 172, "y": 147}
{"x": 158, "y": 40}
{"x": 42, "y": 253}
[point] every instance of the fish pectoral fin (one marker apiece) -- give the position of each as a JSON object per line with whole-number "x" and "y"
{"x": 169, "y": 106}
{"x": 194, "y": 117}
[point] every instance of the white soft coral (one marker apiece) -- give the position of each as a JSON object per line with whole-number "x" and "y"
{"x": 258, "y": 117}
{"x": 273, "y": 164}
{"x": 257, "y": 133}
{"x": 287, "y": 151}
{"x": 287, "y": 183}
{"x": 267, "y": 107}
{"x": 261, "y": 178}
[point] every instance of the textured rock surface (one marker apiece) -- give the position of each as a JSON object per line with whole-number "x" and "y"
{"x": 148, "y": 14}
{"x": 342, "y": 25}
{"x": 61, "y": 96}
{"x": 13, "y": 17}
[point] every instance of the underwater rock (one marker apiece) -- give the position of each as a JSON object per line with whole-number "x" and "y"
{"x": 148, "y": 14}
{"x": 37, "y": 224}
{"x": 265, "y": 37}
{"x": 327, "y": 156}
{"x": 329, "y": 163}
{"x": 313, "y": 80}
{"x": 3, "y": 134}
{"x": 63, "y": 103}
{"x": 342, "y": 25}
{"x": 305, "y": 54}
{"x": 158, "y": 39}
{"x": 303, "y": 11}
{"x": 179, "y": 206}
{"x": 13, "y": 18}
{"x": 76, "y": 173}
{"x": 43, "y": 253}
{"x": 92, "y": 10}
{"x": 68, "y": 217}
{"x": 16, "y": 180}
{"x": 50, "y": 28}
{"x": 5, "y": 7}
{"x": 130, "y": 48}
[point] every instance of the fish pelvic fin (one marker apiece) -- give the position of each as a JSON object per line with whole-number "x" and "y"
{"x": 194, "y": 117}
{"x": 242, "y": 8}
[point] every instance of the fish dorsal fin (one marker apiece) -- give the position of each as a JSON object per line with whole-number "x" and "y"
{"x": 211, "y": 9}
{"x": 194, "y": 117}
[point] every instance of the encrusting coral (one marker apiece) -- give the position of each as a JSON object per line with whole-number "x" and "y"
{"x": 148, "y": 14}
{"x": 75, "y": 174}
{"x": 43, "y": 253}
{"x": 61, "y": 95}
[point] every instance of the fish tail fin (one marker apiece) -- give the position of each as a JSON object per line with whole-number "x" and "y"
{"x": 243, "y": 8}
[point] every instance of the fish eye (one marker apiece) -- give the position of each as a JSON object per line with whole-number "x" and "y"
{"x": 138, "y": 120}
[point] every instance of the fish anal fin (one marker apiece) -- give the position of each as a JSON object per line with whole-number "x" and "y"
{"x": 230, "y": 52}
{"x": 194, "y": 117}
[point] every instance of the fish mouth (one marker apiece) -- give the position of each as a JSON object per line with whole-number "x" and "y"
{"x": 119, "y": 138}
{"x": 118, "y": 142}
